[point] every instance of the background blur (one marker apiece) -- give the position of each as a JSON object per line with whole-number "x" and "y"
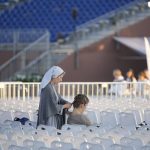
{"x": 87, "y": 38}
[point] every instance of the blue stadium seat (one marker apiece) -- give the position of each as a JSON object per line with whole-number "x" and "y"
{"x": 55, "y": 15}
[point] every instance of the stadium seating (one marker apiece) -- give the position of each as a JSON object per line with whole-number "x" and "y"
{"x": 55, "y": 15}
{"x": 115, "y": 127}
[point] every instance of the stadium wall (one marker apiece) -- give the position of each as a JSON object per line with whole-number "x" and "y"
{"x": 97, "y": 61}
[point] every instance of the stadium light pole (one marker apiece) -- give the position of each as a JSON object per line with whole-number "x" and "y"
{"x": 76, "y": 53}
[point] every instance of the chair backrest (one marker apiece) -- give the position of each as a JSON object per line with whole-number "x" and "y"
{"x": 127, "y": 121}
{"x": 33, "y": 144}
{"x": 5, "y": 143}
{"x": 20, "y": 114}
{"x": 90, "y": 146}
{"x": 20, "y": 138}
{"x": 91, "y": 114}
{"x": 46, "y": 148}
{"x": 135, "y": 143}
{"x": 136, "y": 114}
{"x": 31, "y": 123}
{"x": 15, "y": 147}
{"x": 103, "y": 141}
{"x": 146, "y": 147}
{"x": 62, "y": 145}
{"x": 108, "y": 119}
{"x": 73, "y": 128}
{"x": 120, "y": 147}
{"x": 116, "y": 112}
{"x": 96, "y": 129}
{"x": 147, "y": 116}
{"x": 49, "y": 129}
{"x": 49, "y": 139}
{"x": 5, "y": 115}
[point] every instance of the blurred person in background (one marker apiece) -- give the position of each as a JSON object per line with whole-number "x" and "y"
{"x": 130, "y": 76}
{"x": 118, "y": 77}
{"x": 143, "y": 86}
{"x": 118, "y": 87}
{"x": 79, "y": 106}
{"x": 52, "y": 107}
{"x": 141, "y": 77}
{"x": 131, "y": 86}
{"x": 146, "y": 74}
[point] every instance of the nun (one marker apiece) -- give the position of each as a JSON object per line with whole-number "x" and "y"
{"x": 52, "y": 106}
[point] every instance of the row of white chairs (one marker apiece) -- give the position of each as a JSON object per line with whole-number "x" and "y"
{"x": 112, "y": 117}
{"x": 11, "y": 115}
{"x": 97, "y": 103}
{"x": 126, "y": 143}
{"x": 14, "y": 131}
{"x": 108, "y": 119}
{"x": 118, "y": 122}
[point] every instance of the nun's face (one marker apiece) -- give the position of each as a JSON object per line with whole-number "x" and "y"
{"x": 58, "y": 79}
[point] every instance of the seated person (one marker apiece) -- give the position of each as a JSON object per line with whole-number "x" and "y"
{"x": 79, "y": 105}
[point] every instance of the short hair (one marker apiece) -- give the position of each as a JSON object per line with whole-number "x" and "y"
{"x": 141, "y": 74}
{"x": 117, "y": 72}
{"x": 80, "y": 99}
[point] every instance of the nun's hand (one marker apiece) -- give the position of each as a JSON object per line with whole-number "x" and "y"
{"x": 67, "y": 106}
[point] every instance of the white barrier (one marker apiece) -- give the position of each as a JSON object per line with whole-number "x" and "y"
{"x": 112, "y": 90}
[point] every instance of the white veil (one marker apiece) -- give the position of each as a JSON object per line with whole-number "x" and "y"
{"x": 54, "y": 71}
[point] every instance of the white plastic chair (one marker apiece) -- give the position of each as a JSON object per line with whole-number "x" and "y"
{"x": 108, "y": 120}
{"x": 90, "y": 146}
{"x": 62, "y": 133}
{"x": 97, "y": 129}
{"x": 135, "y": 143}
{"x": 8, "y": 131}
{"x": 46, "y": 148}
{"x": 5, "y": 115}
{"x": 127, "y": 121}
{"x": 62, "y": 145}
{"x": 78, "y": 140}
{"x": 103, "y": 141}
{"x": 120, "y": 147}
{"x": 33, "y": 116}
{"x": 33, "y": 144}
{"x": 73, "y": 128}
{"x": 8, "y": 122}
{"x": 16, "y": 126}
{"x": 6, "y": 143}
{"x": 49, "y": 129}
{"x": 49, "y": 139}
{"x": 3, "y": 136}
{"x": 31, "y": 123}
{"x": 15, "y": 147}
{"x": 146, "y": 147}
{"x": 20, "y": 114}
{"x": 27, "y": 129}
{"x": 19, "y": 138}
{"x": 147, "y": 116}
{"x": 136, "y": 114}
{"x": 115, "y": 112}
{"x": 91, "y": 114}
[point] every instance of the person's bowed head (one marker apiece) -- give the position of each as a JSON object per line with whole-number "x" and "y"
{"x": 79, "y": 106}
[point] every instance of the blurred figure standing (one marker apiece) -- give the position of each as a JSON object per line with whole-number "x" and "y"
{"x": 118, "y": 88}
{"x": 131, "y": 86}
{"x": 143, "y": 86}
{"x": 146, "y": 74}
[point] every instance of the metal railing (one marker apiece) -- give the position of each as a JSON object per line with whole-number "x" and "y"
{"x": 17, "y": 40}
{"x": 25, "y": 57}
{"x": 98, "y": 90}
